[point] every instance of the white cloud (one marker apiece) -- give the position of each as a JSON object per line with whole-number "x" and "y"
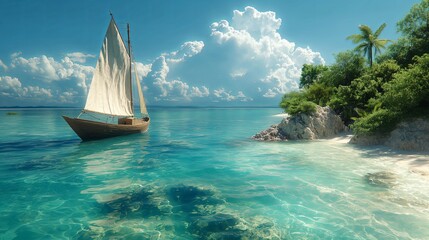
{"x": 12, "y": 87}
{"x": 47, "y": 69}
{"x": 257, "y": 24}
{"x": 276, "y": 61}
{"x": 37, "y": 92}
{"x": 187, "y": 50}
{"x": 224, "y": 95}
{"x": 2, "y": 65}
{"x": 44, "y": 80}
{"x": 169, "y": 90}
{"x": 15, "y": 55}
{"x": 271, "y": 93}
{"x": 238, "y": 73}
{"x": 79, "y": 57}
{"x": 142, "y": 69}
{"x": 9, "y": 86}
{"x": 197, "y": 92}
{"x": 68, "y": 96}
{"x": 165, "y": 88}
{"x": 39, "y": 66}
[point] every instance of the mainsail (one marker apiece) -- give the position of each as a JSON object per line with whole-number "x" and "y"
{"x": 143, "y": 109}
{"x": 110, "y": 90}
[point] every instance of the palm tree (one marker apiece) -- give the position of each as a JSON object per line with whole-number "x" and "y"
{"x": 368, "y": 40}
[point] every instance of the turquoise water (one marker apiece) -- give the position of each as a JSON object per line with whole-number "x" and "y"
{"x": 197, "y": 175}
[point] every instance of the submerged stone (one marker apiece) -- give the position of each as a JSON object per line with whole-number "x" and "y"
{"x": 141, "y": 202}
{"x": 217, "y": 226}
{"x": 381, "y": 179}
{"x": 228, "y": 226}
{"x": 194, "y": 200}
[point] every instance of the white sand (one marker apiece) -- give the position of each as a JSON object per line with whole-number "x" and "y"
{"x": 414, "y": 161}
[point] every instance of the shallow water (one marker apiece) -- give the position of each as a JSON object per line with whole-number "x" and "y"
{"x": 196, "y": 175}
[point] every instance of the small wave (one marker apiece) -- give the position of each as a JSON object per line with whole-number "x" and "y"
{"x": 282, "y": 115}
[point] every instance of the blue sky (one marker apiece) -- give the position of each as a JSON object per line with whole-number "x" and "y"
{"x": 189, "y": 53}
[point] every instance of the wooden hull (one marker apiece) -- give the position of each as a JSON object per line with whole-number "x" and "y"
{"x": 92, "y": 130}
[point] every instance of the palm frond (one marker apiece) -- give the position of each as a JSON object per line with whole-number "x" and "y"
{"x": 362, "y": 47}
{"x": 365, "y": 30}
{"x": 382, "y": 42}
{"x": 355, "y": 38}
{"x": 379, "y": 30}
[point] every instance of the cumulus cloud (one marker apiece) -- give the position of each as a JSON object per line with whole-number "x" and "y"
{"x": 68, "y": 96}
{"x": 2, "y": 65}
{"x": 79, "y": 57}
{"x": 12, "y": 87}
{"x": 9, "y": 86}
{"x": 39, "y": 66}
{"x": 224, "y": 95}
{"x": 47, "y": 69}
{"x": 258, "y": 43}
{"x": 43, "y": 77}
{"x": 187, "y": 50}
{"x": 197, "y": 92}
{"x": 166, "y": 88}
{"x": 142, "y": 69}
{"x": 37, "y": 92}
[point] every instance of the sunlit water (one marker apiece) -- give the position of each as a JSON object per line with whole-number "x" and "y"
{"x": 196, "y": 174}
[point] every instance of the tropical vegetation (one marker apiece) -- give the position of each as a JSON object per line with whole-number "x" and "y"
{"x": 368, "y": 41}
{"x": 372, "y": 95}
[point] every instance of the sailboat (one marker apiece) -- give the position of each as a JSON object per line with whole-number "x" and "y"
{"x": 109, "y": 110}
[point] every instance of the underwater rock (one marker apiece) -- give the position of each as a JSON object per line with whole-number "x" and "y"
{"x": 187, "y": 194}
{"x": 228, "y": 226}
{"x": 381, "y": 179}
{"x": 140, "y": 202}
{"x": 194, "y": 200}
{"x": 207, "y": 217}
{"x": 217, "y": 224}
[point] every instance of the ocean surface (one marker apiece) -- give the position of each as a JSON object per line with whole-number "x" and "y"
{"x": 196, "y": 174}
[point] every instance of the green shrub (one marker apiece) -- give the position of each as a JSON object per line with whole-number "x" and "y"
{"x": 410, "y": 88}
{"x": 296, "y": 102}
{"x": 381, "y": 121}
{"x": 319, "y": 93}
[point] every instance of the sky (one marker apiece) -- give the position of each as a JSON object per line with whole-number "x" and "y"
{"x": 188, "y": 53}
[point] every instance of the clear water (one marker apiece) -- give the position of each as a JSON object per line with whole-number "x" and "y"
{"x": 197, "y": 175}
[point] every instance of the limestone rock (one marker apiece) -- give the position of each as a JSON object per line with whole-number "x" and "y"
{"x": 368, "y": 140}
{"x": 324, "y": 123}
{"x": 408, "y": 135}
{"x": 270, "y": 134}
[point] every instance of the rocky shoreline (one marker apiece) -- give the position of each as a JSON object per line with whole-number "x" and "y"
{"x": 412, "y": 135}
{"x": 324, "y": 123}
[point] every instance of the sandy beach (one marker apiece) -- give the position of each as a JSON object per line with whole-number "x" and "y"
{"x": 415, "y": 161}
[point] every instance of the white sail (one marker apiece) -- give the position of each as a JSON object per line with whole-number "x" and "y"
{"x": 143, "y": 109}
{"x": 110, "y": 90}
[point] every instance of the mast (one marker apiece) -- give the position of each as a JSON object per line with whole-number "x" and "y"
{"x": 129, "y": 53}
